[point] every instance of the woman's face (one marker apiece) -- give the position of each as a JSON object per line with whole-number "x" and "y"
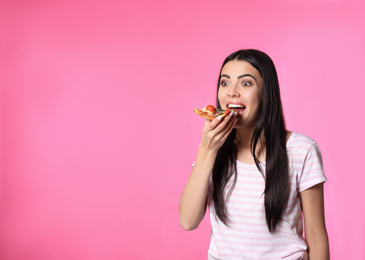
{"x": 240, "y": 88}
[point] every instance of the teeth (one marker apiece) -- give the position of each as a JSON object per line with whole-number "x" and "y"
{"x": 235, "y": 106}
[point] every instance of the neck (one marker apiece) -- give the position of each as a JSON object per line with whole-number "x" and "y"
{"x": 243, "y": 143}
{"x": 244, "y": 136}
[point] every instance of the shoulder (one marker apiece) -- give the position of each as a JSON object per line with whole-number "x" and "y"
{"x": 305, "y": 161}
{"x": 301, "y": 148}
{"x": 300, "y": 142}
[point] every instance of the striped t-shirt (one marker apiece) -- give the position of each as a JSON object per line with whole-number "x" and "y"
{"x": 248, "y": 236}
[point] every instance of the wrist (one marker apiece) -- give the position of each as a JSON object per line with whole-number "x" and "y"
{"x": 205, "y": 153}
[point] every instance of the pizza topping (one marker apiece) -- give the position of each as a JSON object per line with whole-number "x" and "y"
{"x": 209, "y": 112}
{"x": 210, "y": 108}
{"x": 219, "y": 113}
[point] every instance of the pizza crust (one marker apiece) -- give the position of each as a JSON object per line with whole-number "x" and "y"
{"x": 204, "y": 114}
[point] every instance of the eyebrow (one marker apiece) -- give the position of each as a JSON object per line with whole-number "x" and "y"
{"x": 240, "y": 76}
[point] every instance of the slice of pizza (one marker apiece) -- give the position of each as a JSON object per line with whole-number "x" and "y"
{"x": 209, "y": 112}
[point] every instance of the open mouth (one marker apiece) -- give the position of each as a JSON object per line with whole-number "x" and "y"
{"x": 237, "y": 107}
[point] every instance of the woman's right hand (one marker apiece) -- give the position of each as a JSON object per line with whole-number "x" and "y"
{"x": 216, "y": 132}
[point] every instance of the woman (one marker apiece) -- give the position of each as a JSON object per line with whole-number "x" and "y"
{"x": 256, "y": 177}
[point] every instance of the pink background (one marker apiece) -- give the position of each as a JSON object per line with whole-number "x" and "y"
{"x": 97, "y": 126}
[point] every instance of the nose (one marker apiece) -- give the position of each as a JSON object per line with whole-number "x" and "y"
{"x": 233, "y": 91}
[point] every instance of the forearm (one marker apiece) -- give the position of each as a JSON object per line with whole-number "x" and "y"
{"x": 319, "y": 249}
{"x": 192, "y": 205}
{"x": 193, "y": 200}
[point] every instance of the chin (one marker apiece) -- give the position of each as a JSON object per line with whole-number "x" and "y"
{"x": 238, "y": 125}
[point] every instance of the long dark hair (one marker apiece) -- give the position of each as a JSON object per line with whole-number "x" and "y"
{"x": 270, "y": 122}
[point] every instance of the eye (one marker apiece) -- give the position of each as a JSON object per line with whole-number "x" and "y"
{"x": 246, "y": 83}
{"x": 224, "y": 83}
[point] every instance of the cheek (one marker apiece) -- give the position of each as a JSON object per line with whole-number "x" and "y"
{"x": 220, "y": 97}
{"x": 254, "y": 100}
{"x": 258, "y": 104}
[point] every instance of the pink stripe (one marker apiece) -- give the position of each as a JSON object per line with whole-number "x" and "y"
{"x": 250, "y": 251}
{"x": 297, "y": 161}
{"x": 255, "y": 231}
{"x": 243, "y": 203}
{"x": 257, "y": 189}
{"x": 240, "y": 206}
{"x": 247, "y": 217}
{"x": 302, "y": 140}
{"x": 251, "y": 238}
{"x": 246, "y": 230}
{"x": 249, "y": 189}
{"x": 262, "y": 224}
{"x": 242, "y": 243}
{"x": 313, "y": 162}
{"x": 280, "y": 241}
{"x": 243, "y": 234}
{"x": 241, "y": 217}
{"x": 297, "y": 153}
{"x": 244, "y": 182}
{"x": 307, "y": 178}
{"x": 270, "y": 257}
{"x": 249, "y": 196}
{"x": 248, "y": 169}
{"x": 303, "y": 147}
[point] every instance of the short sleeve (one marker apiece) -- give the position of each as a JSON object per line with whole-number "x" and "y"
{"x": 312, "y": 171}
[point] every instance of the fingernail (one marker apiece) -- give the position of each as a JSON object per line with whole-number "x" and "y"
{"x": 219, "y": 117}
{"x": 231, "y": 113}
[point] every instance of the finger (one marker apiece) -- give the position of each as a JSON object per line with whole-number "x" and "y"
{"x": 228, "y": 128}
{"x": 226, "y": 123}
{"x": 226, "y": 134}
{"x": 212, "y": 124}
{"x": 220, "y": 121}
